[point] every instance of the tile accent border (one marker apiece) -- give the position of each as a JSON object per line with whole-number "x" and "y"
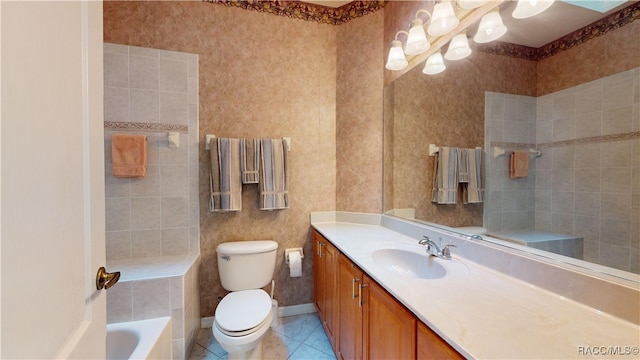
{"x": 598, "y": 28}
{"x": 581, "y": 141}
{"x": 511, "y": 145}
{"x": 591, "y": 140}
{"x": 136, "y": 126}
{"x": 309, "y": 12}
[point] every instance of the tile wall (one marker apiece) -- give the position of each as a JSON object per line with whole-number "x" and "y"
{"x": 151, "y": 92}
{"x": 510, "y": 203}
{"x": 587, "y": 181}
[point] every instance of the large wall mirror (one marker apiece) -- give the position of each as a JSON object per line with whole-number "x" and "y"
{"x": 578, "y": 110}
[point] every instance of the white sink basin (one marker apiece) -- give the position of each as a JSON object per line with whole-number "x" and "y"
{"x": 409, "y": 264}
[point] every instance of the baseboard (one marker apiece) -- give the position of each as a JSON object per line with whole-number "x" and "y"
{"x": 296, "y": 310}
{"x": 207, "y": 322}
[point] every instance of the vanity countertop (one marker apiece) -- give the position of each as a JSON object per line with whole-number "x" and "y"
{"x": 486, "y": 314}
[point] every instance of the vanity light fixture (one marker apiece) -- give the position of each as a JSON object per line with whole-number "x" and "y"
{"x": 458, "y": 47}
{"x": 491, "y": 28}
{"x": 435, "y": 64}
{"x": 417, "y": 42}
{"x": 396, "y": 60}
{"x": 443, "y": 20}
{"x": 529, "y": 8}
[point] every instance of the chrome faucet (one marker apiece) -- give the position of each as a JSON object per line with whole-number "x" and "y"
{"x": 434, "y": 250}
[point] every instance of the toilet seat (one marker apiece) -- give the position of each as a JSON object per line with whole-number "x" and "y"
{"x": 243, "y": 312}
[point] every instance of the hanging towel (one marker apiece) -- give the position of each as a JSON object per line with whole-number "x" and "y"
{"x": 250, "y": 160}
{"x": 463, "y": 166}
{"x": 129, "y": 155}
{"x": 473, "y": 189}
{"x": 225, "y": 181}
{"x": 274, "y": 177}
{"x": 445, "y": 176}
{"x": 519, "y": 164}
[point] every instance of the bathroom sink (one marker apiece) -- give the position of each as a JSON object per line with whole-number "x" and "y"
{"x": 409, "y": 264}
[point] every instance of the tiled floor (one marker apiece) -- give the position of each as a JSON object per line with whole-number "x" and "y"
{"x": 296, "y": 337}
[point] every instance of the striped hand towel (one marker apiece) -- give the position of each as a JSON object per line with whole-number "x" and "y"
{"x": 225, "y": 180}
{"x": 250, "y": 160}
{"x": 473, "y": 190}
{"x": 445, "y": 176}
{"x": 274, "y": 177}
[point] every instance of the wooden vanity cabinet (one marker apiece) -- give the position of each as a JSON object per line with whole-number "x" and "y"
{"x": 389, "y": 328}
{"x": 350, "y": 279}
{"x": 325, "y": 294}
{"x": 361, "y": 319}
{"x": 431, "y": 346}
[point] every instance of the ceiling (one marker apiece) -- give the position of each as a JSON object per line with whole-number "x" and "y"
{"x": 559, "y": 20}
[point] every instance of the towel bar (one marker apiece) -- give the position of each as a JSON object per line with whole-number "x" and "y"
{"x": 433, "y": 149}
{"x": 208, "y": 137}
{"x": 498, "y": 151}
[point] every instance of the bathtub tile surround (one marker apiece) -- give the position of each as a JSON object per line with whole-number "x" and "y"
{"x": 157, "y": 287}
{"x": 586, "y": 181}
{"x": 153, "y": 229}
{"x": 296, "y": 337}
{"x": 151, "y": 92}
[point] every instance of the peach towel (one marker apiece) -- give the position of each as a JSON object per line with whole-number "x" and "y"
{"x": 519, "y": 164}
{"x": 129, "y": 155}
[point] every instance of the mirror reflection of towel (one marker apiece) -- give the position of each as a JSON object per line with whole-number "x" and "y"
{"x": 445, "y": 176}
{"x": 519, "y": 164}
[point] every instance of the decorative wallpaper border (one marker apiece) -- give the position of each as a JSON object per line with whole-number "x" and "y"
{"x": 598, "y": 28}
{"x": 581, "y": 141}
{"x": 309, "y": 12}
{"x": 136, "y": 126}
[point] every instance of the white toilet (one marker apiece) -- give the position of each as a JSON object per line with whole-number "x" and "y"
{"x": 245, "y": 314}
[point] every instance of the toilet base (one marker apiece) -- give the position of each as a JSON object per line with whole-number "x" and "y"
{"x": 253, "y": 354}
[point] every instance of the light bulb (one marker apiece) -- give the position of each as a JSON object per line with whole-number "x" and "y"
{"x": 443, "y": 19}
{"x": 435, "y": 64}
{"x": 417, "y": 42}
{"x": 396, "y": 59}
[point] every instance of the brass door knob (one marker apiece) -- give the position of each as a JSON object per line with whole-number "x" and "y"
{"x": 105, "y": 280}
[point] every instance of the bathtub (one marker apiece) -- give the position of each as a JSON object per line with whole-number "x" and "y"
{"x": 143, "y": 339}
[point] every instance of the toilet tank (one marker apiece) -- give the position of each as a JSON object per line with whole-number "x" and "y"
{"x": 244, "y": 265}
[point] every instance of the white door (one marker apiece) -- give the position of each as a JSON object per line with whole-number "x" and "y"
{"x": 52, "y": 180}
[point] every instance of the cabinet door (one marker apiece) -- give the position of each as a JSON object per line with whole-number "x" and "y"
{"x": 325, "y": 287}
{"x": 389, "y": 328}
{"x": 431, "y": 346}
{"x": 331, "y": 294}
{"x": 349, "y": 281}
{"x": 318, "y": 274}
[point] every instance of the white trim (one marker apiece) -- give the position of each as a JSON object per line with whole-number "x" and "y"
{"x": 309, "y": 308}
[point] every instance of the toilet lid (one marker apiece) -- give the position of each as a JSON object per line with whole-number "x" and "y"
{"x": 243, "y": 310}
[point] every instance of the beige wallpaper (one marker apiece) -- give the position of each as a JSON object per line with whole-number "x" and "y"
{"x": 260, "y": 76}
{"x": 609, "y": 54}
{"x": 359, "y": 114}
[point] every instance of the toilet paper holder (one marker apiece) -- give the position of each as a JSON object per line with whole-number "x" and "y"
{"x": 288, "y": 251}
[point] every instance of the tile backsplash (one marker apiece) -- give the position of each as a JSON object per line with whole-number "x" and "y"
{"x": 149, "y": 91}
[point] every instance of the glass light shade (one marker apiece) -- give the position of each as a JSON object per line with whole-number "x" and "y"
{"x": 435, "y": 64}
{"x": 396, "y": 59}
{"x": 458, "y": 48}
{"x": 529, "y": 8}
{"x": 491, "y": 28}
{"x": 417, "y": 42}
{"x": 443, "y": 19}
{"x": 471, "y": 4}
